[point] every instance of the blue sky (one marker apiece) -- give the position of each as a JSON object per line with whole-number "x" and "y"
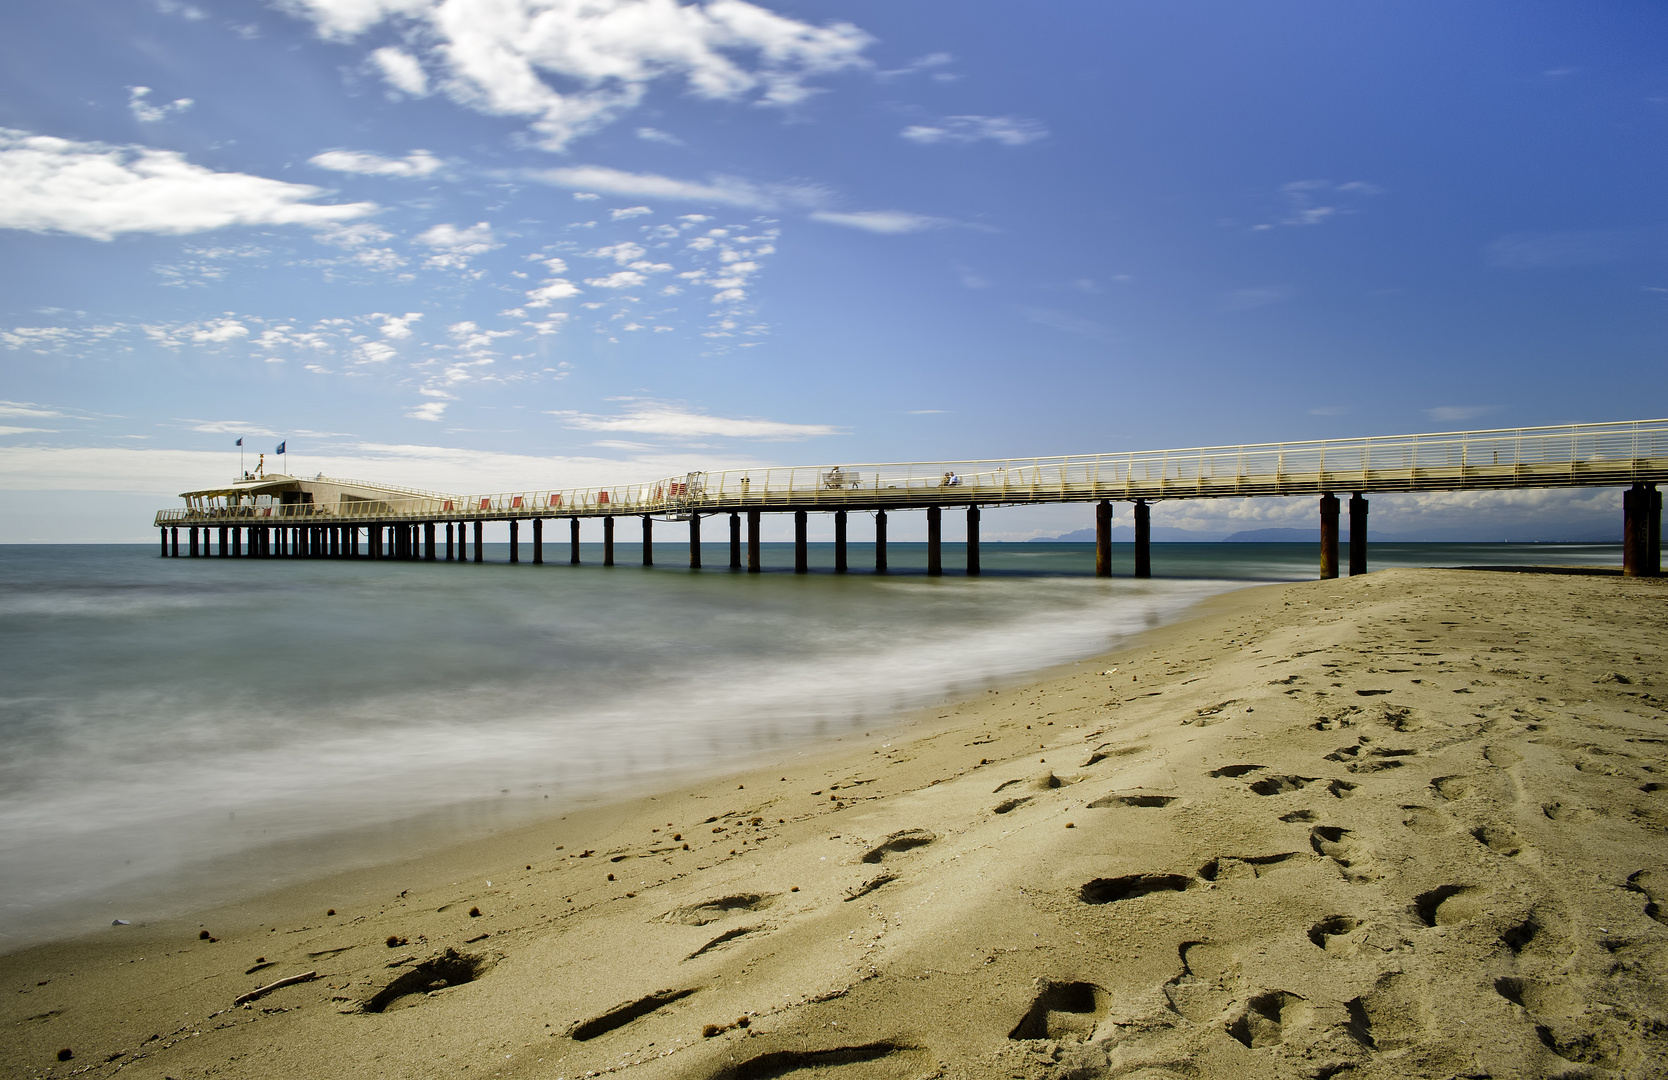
{"x": 493, "y": 244}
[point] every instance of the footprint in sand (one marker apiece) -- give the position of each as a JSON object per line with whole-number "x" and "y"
{"x": 1424, "y": 821}
{"x": 1281, "y": 785}
{"x": 1500, "y": 839}
{"x": 1149, "y": 801}
{"x": 1654, "y": 888}
{"x": 1300, "y": 816}
{"x": 450, "y": 968}
{"x": 1449, "y": 904}
{"x": 1330, "y": 933}
{"x": 1063, "y": 1011}
{"x": 1453, "y": 788}
{"x": 1342, "y": 847}
{"x": 888, "y": 1059}
{"x": 1240, "y": 867}
{"x": 1132, "y": 886}
{"x": 1235, "y": 771}
{"x": 1007, "y": 806}
{"x": 903, "y": 840}
{"x": 1563, "y": 1021}
{"x": 621, "y": 1015}
{"x": 1267, "y": 1018}
{"x": 1395, "y": 1015}
{"x": 712, "y": 910}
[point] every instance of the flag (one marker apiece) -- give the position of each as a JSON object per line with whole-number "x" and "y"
{"x": 280, "y": 448}
{"x": 240, "y": 442}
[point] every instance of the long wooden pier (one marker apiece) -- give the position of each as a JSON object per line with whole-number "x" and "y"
{"x": 269, "y": 516}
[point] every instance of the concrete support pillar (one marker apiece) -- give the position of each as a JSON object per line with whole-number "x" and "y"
{"x": 753, "y": 566}
{"x": 538, "y": 541}
{"x": 448, "y": 541}
{"x": 1103, "y": 538}
{"x": 694, "y": 541}
{"x": 839, "y": 541}
{"x": 194, "y": 552}
{"x": 974, "y": 569}
{"x": 573, "y": 541}
{"x": 515, "y": 540}
{"x": 648, "y": 540}
{"x": 801, "y": 549}
{"x": 1329, "y": 536}
{"x": 880, "y": 541}
{"x": 1143, "y": 539}
{"x": 164, "y": 533}
{"x": 1357, "y": 535}
{"x": 935, "y": 541}
{"x": 735, "y": 541}
{"x": 237, "y": 541}
{"x": 480, "y": 552}
{"x": 428, "y": 541}
{"x": 373, "y": 541}
{"x": 333, "y": 540}
{"x": 608, "y": 540}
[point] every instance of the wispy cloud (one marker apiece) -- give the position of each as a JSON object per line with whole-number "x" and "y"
{"x": 146, "y": 113}
{"x": 676, "y": 421}
{"x": 723, "y": 190}
{"x": 1314, "y": 202}
{"x": 1250, "y": 299}
{"x": 1534, "y": 251}
{"x": 403, "y": 71}
{"x": 1068, "y": 323}
{"x": 649, "y": 134}
{"x": 1006, "y": 130}
{"x": 880, "y": 221}
{"x": 101, "y": 191}
{"x": 418, "y": 163}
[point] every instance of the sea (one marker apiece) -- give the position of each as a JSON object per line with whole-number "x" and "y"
{"x": 180, "y": 732}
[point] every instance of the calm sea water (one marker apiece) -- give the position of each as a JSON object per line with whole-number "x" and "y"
{"x": 177, "y": 731}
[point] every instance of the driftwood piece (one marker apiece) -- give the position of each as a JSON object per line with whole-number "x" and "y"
{"x": 288, "y": 980}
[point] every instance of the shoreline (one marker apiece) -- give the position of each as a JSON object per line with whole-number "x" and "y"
{"x": 1108, "y": 889}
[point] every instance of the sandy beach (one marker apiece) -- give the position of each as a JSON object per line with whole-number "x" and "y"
{"x": 1410, "y": 824}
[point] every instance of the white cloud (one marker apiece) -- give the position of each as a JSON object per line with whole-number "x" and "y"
{"x": 7, "y": 429}
{"x": 351, "y": 236}
{"x": 928, "y": 62}
{"x": 27, "y": 408}
{"x": 657, "y": 418}
{"x": 100, "y": 191}
{"x": 1313, "y": 202}
{"x": 554, "y": 289}
{"x": 629, "y": 212}
{"x": 1250, "y": 299}
{"x": 428, "y": 410}
{"x": 586, "y": 196}
{"x": 402, "y": 70}
{"x": 649, "y": 134}
{"x": 219, "y": 331}
{"x": 623, "y": 279}
{"x": 724, "y": 190}
{"x": 146, "y": 113}
{"x": 454, "y": 247}
{"x": 1007, "y": 130}
{"x": 495, "y": 55}
{"x": 1448, "y": 414}
{"x": 415, "y": 164}
{"x": 880, "y": 221}
{"x": 399, "y": 326}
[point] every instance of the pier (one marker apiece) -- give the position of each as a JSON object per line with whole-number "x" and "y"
{"x": 275, "y": 516}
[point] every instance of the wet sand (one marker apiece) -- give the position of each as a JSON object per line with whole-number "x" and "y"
{"x": 1405, "y": 825}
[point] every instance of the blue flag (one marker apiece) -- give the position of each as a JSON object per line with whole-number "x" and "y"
{"x": 240, "y": 442}
{"x": 280, "y": 448}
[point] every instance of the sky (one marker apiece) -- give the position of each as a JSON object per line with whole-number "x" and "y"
{"x": 486, "y": 245}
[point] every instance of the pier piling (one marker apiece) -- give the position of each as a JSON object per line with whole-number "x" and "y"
{"x": 839, "y": 541}
{"x": 538, "y": 541}
{"x": 448, "y": 541}
{"x": 1329, "y": 536}
{"x": 735, "y": 541}
{"x": 1143, "y": 539}
{"x": 880, "y": 541}
{"x": 194, "y": 552}
{"x": 1357, "y": 534}
{"x": 694, "y": 541}
{"x": 1642, "y": 531}
{"x": 935, "y": 541}
{"x": 801, "y": 552}
{"x": 573, "y": 541}
{"x": 515, "y": 541}
{"x": 648, "y": 540}
{"x": 1103, "y": 538}
{"x": 973, "y": 567}
{"x": 608, "y": 540}
{"x": 480, "y": 554}
{"x": 428, "y": 541}
{"x": 753, "y": 566}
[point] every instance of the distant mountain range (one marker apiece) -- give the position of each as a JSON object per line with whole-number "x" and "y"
{"x": 1528, "y": 534}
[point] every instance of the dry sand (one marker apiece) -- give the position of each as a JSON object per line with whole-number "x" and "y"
{"x": 1404, "y": 825}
